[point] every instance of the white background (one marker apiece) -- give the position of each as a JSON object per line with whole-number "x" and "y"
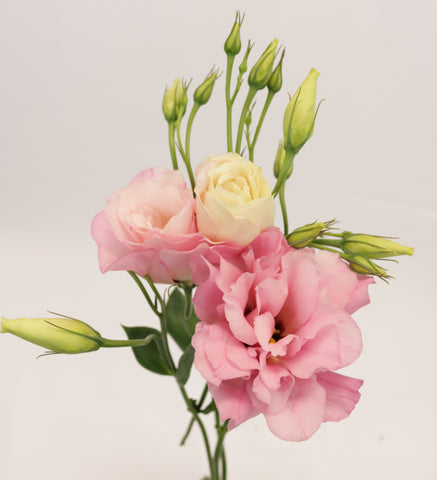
{"x": 80, "y": 89}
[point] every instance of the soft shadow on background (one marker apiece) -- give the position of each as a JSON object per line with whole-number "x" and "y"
{"x": 81, "y": 90}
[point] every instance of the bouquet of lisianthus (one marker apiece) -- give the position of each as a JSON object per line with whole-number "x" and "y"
{"x": 263, "y": 313}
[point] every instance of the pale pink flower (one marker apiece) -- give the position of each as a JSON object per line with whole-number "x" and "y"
{"x": 275, "y": 324}
{"x": 149, "y": 227}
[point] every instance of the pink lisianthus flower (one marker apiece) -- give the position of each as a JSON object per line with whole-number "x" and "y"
{"x": 149, "y": 227}
{"x": 275, "y": 324}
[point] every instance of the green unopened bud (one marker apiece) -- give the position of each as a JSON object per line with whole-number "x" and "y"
{"x": 59, "y": 335}
{"x": 203, "y": 92}
{"x": 233, "y": 42}
{"x": 260, "y": 74}
{"x": 173, "y": 100}
{"x": 300, "y": 114}
{"x": 371, "y": 246}
{"x": 360, "y": 264}
{"x": 243, "y": 65}
{"x": 303, "y": 236}
{"x": 279, "y": 163}
{"x": 275, "y": 80}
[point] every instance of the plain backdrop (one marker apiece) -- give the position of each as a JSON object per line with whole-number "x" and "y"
{"x": 81, "y": 86}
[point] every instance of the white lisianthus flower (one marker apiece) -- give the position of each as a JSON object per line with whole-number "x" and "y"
{"x": 233, "y": 199}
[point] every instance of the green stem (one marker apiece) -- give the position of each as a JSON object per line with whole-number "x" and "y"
{"x": 128, "y": 343}
{"x": 144, "y": 292}
{"x": 171, "y": 143}
{"x": 181, "y": 148}
{"x": 229, "y": 102}
{"x": 260, "y": 122}
{"x": 192, "y": 409}
{"x": 250, "y": 96}
{"x": 163, "y": 323}
{"x": 219, "y": 450}
{"x": 224, "y": 469}
{"x": 187, "y": 159}
{"x": 283, "y": 208}
{"x": 289, "y": 157}
{"x": 327, "y": 242}
{"x": 199, "y": 405}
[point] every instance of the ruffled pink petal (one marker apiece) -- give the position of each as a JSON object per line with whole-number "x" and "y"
{"x": 335, "y": 346}
{"x": 271, "y": 294}
{"x": 233, "y": 402}
{"x": 235, "y": 307}
{"x": 304, "y": 412}
{"x": 226, "y": 357}
{"x": 341, "y": 394}
{"x": 303, "y": 290}
{"x": 360, "y": 298}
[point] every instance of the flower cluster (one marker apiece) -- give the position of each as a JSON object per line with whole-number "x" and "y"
{"x": 271, "y": 323}
{"x": 275, "y": 322}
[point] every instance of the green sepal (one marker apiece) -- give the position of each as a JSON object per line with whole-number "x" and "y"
{"x": 178, "y": 327}
{"x": 148, "y": 356}
{"x": 185, "y": 364}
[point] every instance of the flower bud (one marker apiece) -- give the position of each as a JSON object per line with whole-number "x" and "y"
{"x": 59, "y": 335}
{"x": 365, "y": 266}
{"x": 300, "y": 114}
{"x": 243, "y": 65}
{"x": 275, "y": 80}
{"x": 171, "y": 102}
{"x": 261, "y": 71}
{"x": 233, "y": 42}
{"x": 279, "y": 163}
{"x": 203, "y": 92}
{"x": 303, "y": 236}
{"x": 371, "y": 246}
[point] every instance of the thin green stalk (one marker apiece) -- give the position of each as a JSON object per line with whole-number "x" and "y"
{"x": 224, "y": 469}
{"x": 196, "y": 416}
{"x": 260, "y": 122}
{"x": 181, "y": 148}
{"x": 187, "y": 158}
{"x": 144, "y": 292}
{"x": 289, "y": 157}
{"x": 250, "y": 96}
{"x": 283, "y": 208}
{"x": 328, "y": 242}
{"x": 229, "y": 102}
{"x": 221, "y": 430}
{"x": 107, "y": 343}
{"x": 163, "y": 324}
{"x": 171, "y": 143}
{"x": 199, "y": 405}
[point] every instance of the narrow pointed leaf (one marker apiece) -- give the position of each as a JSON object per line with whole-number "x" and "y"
{"x": 184, "y": 367}
{"x": 148, "y": 356}
{"x": 178, "y": 327}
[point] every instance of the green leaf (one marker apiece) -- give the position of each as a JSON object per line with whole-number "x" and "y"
{"x": 184, "y": 367}
{"x": 180, "y": 329}
{"x": 148, "y": 356}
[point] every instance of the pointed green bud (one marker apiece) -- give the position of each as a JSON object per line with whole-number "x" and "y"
{"x": 279, "y": 162}
{"x": 303, "y": 236}
{"x": 171, "y": 102}
{"x": 233, "y": 42}
{"x": 360, "y": 264}
{"x": 275, "y": 80}
{"x": 300, "y": 114}
{"x": 203, "y": 92}
{"x": 371, "y": 246}
{"x": 260, "y": 74}
{"x": 59, "y": 335}
{"x": 243, "y": 65}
